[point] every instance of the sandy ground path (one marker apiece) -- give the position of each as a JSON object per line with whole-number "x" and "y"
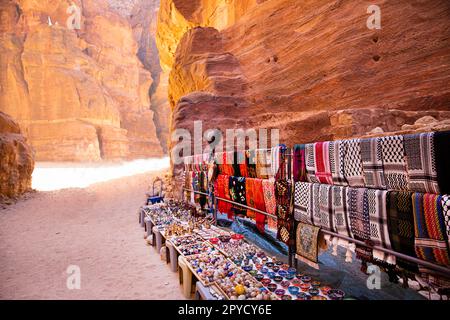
{"x": 95, "y": 228}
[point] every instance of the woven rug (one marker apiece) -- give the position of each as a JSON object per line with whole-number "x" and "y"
{"x": 299, "y": 163}
{"x": 394, "y": 164}
{"x": 442, "y": 149}
{"x": 372, "y": 163}
{"x": 283, "y": 194}
{"x": 307, "y": 238}
{"x": 421, "y": 162}
{"x": 269, "y": 196}
{"x": 353, "y": 164}
{"x": 339, "y": 204}
{"x": 338, "y": 150}
{"x": 429, "y": 229}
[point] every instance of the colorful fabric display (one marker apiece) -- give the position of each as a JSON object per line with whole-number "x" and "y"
{"x": 269, "y": 196}
{"x": 263, "y": 164}
{"x": 311, "y": 163}
{"x": 338, "y": 150}
{"x": 237, "y": 194}
{"x": 372, "y": 163}
{"x": 322, "y": 160}
{"x": 429, "y": 228}
{"x": 299, "y": 163}
{"x": 394, "y": 164}
{"x": 401, "y": 226}
{"x": 255, "y": 199}
{"x": 303, "y": 202}
{"x": 441, "y": 149}
{"x": 353, "y": 170}
{"x": 250, "y": 156}
{"x": 283, "y": 189}
{"x": 221, "y": 190}
{"x": 307, "y": 244}
{"x": 188, "y": 184}
{"x": 421, "y": 162}
{"x": 326, "y": 207}
{"x": 445, "y": 202}
{"x": 339, "y": 205}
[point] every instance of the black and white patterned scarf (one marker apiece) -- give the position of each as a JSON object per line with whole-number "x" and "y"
{"x": 303, "y": 202}
{"x": 353, "y": 164}
{"x": 338, "y": 150}
{"x": 394, "y": 163}
{"x": 372, "y": 160}
{"x": 445, "y": 200}
{"x": 421, "y": 162}
{"x": 311, "y": 163}
{"x": 340, "y": 213}
{"x": 326, "y": 207}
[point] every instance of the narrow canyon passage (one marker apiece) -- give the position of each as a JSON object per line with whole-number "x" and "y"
{"x": 95, "y": 228}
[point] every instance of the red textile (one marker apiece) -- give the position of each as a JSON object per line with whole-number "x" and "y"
{"x": 323, "y": 170}
{"x": 255, "y": 199}
{"x": 221, "y": 190}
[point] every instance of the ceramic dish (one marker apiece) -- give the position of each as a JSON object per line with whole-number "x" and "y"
{"x": 286, "y": 297}
{"x": 306, "y": 279}
{"x": 272, "y": 287}
{"x": 285, "y": 284}
{"x": 293, "y": 290}
{"x": 277, "y": 279}
{"x": 280, "y": 292}
{"x": 336, "y": 294}
{"x": 303, "y": 296}
{"x": 259, "y": 277}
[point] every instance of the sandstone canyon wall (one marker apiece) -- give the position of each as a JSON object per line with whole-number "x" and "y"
{"x": 311, "y": 68}
{"x": 78, "y": 95}
{"x": 16, "y": 161}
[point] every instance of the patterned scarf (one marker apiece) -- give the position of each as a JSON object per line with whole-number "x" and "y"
{"x": 303, "y": 205}
{"x": 339, "y": 204}
{"x": 251, "y": 163}
{"x": 237, "y": 194}
{"x": 401, "y": 226}
{"x": 441, "y": 149}
{"x": 283, "y": 191}
{"x": 445, "y": 202}
{"x": 421, "y": 162}
{"x": 316, "y": 215}
{"x": 322, "y": 157}
{"x": 394, "y": 164}
{"x": 255, "y": 199}
{"x": 299, "y": 164}
{"x": 242, "y": 163}
{"x": 353, "y": 164}
{"x": 372, "y": 161}
{"x": 307, "y": 244}
{"x": 221, "y": 190}
{"x": 279, "y": 162}
{"x": 338, "y": 150}
{"x": 188, "y": 183}
{"x": 311, "y": 163}
{"x": 429, "y": 228}
{"x": 269, "y": 196}
{"x": 263, "y": 164}
{"x": 326, "y": 207}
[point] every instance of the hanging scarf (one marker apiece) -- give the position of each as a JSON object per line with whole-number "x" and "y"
{"x": 307, "y": 239}
{"x": 441, "y": 149}
{"x": 237, "y": 194}
{"x": 401, "y": 226}
{"x": 339, "y": 204}
{"x": 255, "y": 199}
{"x": 225, "y": 161}
{"x": 221, "y": 190}
{"x": 203, "y": 186}
{"x": 196, "y": 180}
{"x": 421, "y": 162}
{"x": 326, "y": 207}
{"x": 353, "y": 164}
{"x": 303, "y": 202}
{"x": 299, "y": 163}
{"x": 316, "y": 215}
{"x": 188, "y": 184}
{"x": 445, "y": 202}
{"x": 242, "y": 163}
{"x": 279, "y": 162}
{"x": 251, "y": 163}
{"x": 338, "y": 150}
{"x": 263, "y": 164}
{"x": 322, "y": 161}
{"x": 372, "y": 163}
{"x": 269, "y": 196}
{"x": 283, "y": 190}
{"x": 429, "y": 228}
{"x": 394, "y": 164}
{"x": 311, "y": 163}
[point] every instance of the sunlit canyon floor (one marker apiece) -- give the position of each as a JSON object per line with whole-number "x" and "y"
{"x": 94, "y": 227}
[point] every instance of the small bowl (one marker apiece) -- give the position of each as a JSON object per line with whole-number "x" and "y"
{"x": 283, "y": 273}
{"x": 325, "y": 290}
{"x": 272, "y": 287}
{"x": 271, "y": 274}
{"x": 296, "y": 282}
{"x": 278, "y": 279}
{"x": 224, "y": 238}
{"x": 279, "y": 263}
{"x": 299, "y": 276}
{"x": 292, "y": 271}
{"x": 306, "y": 279}
{"x": 286, "y": 297}
{"x": 303, "y": 296}
{"x": 214, "y": 240}
{"x": 264, "y": 270}
{"x": 289, "y": 276}
{"x": 313, "y": 292}
{"x": 318, "y": 298}
{"x": 253, "y": 272}
{"x": 280, "y": 292}
{"x": 247, "y": 268}
{"x": 266, "y": 282}
{"x": 315, "y": 284}
{"x": 237, "y": 236}
{"x": 258, "y": 266}
{"x": 285, "y": 284}
{"x": 294, "y": 290}
{"x": 336, "y": 294}
{"x": 269, "y": 264}
{"x": 276, "y": 268}
{"x": 259, "y": 277}
{"x": 305, "y": 286}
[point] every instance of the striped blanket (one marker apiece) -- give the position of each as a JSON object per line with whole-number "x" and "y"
{"x": 445, "y": 202}
{"x": 421, "y": 162}
{"x": 394, "y": 163}
{"x": 372, "y": 163}
{"x": 429, "y": 228}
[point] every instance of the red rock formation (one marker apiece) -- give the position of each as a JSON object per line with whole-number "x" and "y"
{"x": 78, "y": 95}
{"x": 16, "y": 159}
{"x": 312, "y": 68}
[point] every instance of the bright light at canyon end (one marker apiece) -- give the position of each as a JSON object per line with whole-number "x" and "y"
{"x": 57, "y": 176}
